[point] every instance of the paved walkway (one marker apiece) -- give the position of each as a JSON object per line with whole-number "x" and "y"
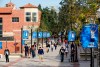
{"x": 51, "y": 59}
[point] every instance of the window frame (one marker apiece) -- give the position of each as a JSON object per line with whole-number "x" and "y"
{"x": 34, "y": 16}
{"x": 28, "y": 16}
{"x": 1, "y": 19}
{"x": 15, "y": 19}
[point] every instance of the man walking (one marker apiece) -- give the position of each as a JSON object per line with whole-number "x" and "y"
{"x": 7, "y": 53}
{"x": 62, "y": 51}
{"x": 40, "y": 53}
{"x": 26, "y": 50}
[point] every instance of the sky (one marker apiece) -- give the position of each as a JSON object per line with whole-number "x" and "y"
{"x": 44, "y": 3}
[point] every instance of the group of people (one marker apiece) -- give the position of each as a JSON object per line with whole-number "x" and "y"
{"x": 32, "y": 51}
{"x": 51, "y": 46}
{"x": 65, "y": 49}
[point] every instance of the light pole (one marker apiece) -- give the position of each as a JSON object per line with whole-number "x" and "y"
{"x": 21, "y": 39}
{"x": 31, "y": 37}
{"x": 98, "y": 16}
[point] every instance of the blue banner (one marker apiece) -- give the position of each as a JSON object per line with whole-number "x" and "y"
{"x": 89, "y": 36}
{"x": 34, "y": 35}
{"x": 48, "y": 34}
{"x": 71, "y": 36}
{"x": 0, "y": 45}
{"x": 25, "y": 34}
{"x": 44, "y": 34}
{"x": 40, "y": 34}
{"x": 94, "y": 36}
{"x": 85, "y": 36}
{"x": 23, "y": 42}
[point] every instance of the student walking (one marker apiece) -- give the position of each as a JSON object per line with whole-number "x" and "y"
{"x": 66, "y": 51}
{"x": 33, "y": 51}
{"x": 72, "y": 54}
{"x": 52, "y": 46}
{"x": 62, "y": 51}
{"x": 40, "y": 53}
{"x": 7, "y": 53}
{"x": 55, "y": 45}
{"x": 26, "y": 50}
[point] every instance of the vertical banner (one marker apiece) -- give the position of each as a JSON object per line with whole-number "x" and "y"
{"x": 23, "y": 42}
{"x": 0, "y": 45}
{"x": 85, "y": 36}
{"x": 71, "y": 36}
{"x": 94, "y": 36}
{"x": 48, "y": 34}
{"x": 44, "y": 34}
{"x": 89, "y": 36}
{"x": 25, "y": 34}
{"x": 34, "y": 35}
{"x": 40, "y": 34}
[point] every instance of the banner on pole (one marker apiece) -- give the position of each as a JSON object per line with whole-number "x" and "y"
{"x": 89, "y": 36}
{"x": 34, "y": 35}
{"x": 25, "y": 34}
{"x": 71, "y": 36}
{"x": 0, "y": 45}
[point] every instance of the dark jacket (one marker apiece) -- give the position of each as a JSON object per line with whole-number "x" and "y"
{"x": 62, "y": 51}
{"x": 6, "y": 52}
{"x": 26, "y": 48}
{"x": 40, "y": 52}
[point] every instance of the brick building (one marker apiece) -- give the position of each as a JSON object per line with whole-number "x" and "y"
{"x": 11, "y": 22}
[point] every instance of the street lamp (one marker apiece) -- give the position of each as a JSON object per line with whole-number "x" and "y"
{"x": 98, "y": 16}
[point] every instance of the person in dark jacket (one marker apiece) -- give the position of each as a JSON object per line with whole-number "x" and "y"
{"x": 7, "y": 53}
{"x": 72, "y": 54}
{"x": 40, "y": 53}
{"x": 26, "y": 50}
{"x": 62, "y": 51}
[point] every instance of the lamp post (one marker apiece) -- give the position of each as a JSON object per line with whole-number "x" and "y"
{"x": 98, "y": 16}
{"x": 99, "y": 48}
{"x": 21, "y": 39}
{"x": 31, "y": 37}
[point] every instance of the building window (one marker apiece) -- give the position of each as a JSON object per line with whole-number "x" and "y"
{"x": 15, "y": 19}
{"x": 0, "y": 33}
{"x": 0, "y": 20}
{"x": 28, "y": 16}
{"x": 34, "y": 17}
{"x": 0, "y": 27}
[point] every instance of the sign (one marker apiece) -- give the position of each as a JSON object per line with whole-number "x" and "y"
{"x": 0, "y": 45}
{"x": 94, "y": 36}
{"x": 85, "y": 36}
{"x": 44, "y": 34}
{"x": 89, "y": 36}
{"x": 71, "y": 36}
{"x": 23, "y": 42}
{"x": 34, "y": 35}
{"x": 40, "y": 34}
{"x": 25, "y": 34}
{"x": 48, "y": 34}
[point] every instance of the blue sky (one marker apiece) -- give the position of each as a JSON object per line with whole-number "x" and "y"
{"x": 43, "y": 3}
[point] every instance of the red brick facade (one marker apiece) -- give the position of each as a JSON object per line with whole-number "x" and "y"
{"x": 15, "y": 27}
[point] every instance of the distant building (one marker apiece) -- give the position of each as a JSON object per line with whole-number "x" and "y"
{"x": 11, "y": 22}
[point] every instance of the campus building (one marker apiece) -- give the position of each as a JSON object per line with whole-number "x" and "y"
{"x": 12, "y": 20}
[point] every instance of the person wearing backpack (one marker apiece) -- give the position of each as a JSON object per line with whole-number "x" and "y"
{"x": 62, "y": 51}
{"x": 7, "y": 53}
